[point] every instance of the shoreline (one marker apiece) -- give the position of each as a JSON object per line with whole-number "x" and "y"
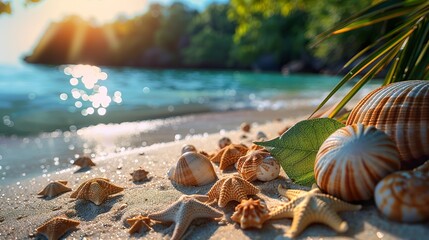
{"x": 22, "y": 211}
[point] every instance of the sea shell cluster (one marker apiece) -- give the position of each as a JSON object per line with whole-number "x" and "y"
{"x": 353, "y": 160}
{"x": 404, "y": 196}
{"x": 401, "y": 110}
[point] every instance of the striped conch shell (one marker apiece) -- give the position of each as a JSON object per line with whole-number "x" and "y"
{"x": 192, "y": 169}
{"x": 353, "y": 160}
{"x": 401, "y": 110}
{"x": 251, "y": 213}
{"x": 404, "y": 196}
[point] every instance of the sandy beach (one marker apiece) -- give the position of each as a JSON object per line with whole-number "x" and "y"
{"x": 22, "y": 211}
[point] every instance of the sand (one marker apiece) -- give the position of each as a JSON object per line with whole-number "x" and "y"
{"x": 21, "y": 211}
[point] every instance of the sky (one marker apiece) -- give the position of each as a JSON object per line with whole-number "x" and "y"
{"x": 20, "y": 31}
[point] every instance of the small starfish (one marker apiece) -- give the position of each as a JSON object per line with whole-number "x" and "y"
{"x": 138, "y": 223}
{"x": 229, "y": 189}
{"x": 96, "y": 190}
{"x": 310, "y": 207}
{"x": 183, "y": 211}
{"x": 55, "y": 188}
{"x": 229, "y": 155}
{"x": 84, "y": 162}
{"x": 56, "y": 227}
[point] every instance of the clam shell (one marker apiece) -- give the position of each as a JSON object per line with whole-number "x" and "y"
{"x": 268, "y": 170}
{"x": 404, "y": 196}
{"x": 192, "y": 169}
{"x": 353, "y": 160}
{"x": 401, "y": 110}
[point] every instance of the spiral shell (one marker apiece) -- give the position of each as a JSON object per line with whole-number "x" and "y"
{"x": 258, "y": 164}
{"x": 401, "y": 110}
{"x": 353, "y": 160}
{"x": 404, "y": 196}
{"x": 251, "y": 213}
{"x": 192, "y": 169}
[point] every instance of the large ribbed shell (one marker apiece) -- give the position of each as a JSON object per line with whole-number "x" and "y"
{"x": 353, "y": 160}
{"x": 404, "y": 196}
{"x": 192, "y": 169}
{"x": 402, "y": 111}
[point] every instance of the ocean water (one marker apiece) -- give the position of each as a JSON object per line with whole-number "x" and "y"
{"x": 51, "y": 115}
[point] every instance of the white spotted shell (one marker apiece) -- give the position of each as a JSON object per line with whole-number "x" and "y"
{"x": 353, "y": 160}
{"x": 401, "y": 110}
{"x": 192, "y": 169}
{"x": 404, "y": 196}
{"x": 268, "y": 170}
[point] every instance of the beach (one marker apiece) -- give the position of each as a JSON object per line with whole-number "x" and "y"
{"x": 22, "y": 211}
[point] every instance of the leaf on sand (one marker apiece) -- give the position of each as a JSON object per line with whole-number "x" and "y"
{"x": 296, "y": 149}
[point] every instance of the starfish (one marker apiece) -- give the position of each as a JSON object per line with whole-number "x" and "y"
{"x": 96, "y": 190}
{"x": 229, "y": 189}
{"x": 183, "y": 211}
{"x": 55, "y": 188}
{"x": 138, "y": 223}
{"x": 229, "y": 155}
{"x": 310, "y": 207}
{"x": 84, "y": 162}
{"x": 56, "y": 227}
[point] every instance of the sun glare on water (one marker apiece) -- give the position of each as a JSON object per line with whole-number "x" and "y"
{"x": 87, "y": 91}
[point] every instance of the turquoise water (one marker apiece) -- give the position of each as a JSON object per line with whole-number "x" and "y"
{"x": 36, "y": 99}
{"x": 51, "y": 115}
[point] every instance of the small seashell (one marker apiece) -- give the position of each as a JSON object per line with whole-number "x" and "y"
{"x": 223, "y": 142}
{"x": 188, "y": 148}
{"x": 139, "y": 175}
{"x": 260, "y": 136}
{"x": 84, "y": 162}
{"x": 401, "y": 110}
{"x": 404, "y": 196}
{"x": 192, "y": 169}
{"x": 268, "y": 170}
{"x": 245, "y": 127}
{"x": 353, "y": 160}
{"x": 251, "y": 213}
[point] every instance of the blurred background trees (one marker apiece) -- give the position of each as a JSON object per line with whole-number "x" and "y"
{"x": 245, "y": 34}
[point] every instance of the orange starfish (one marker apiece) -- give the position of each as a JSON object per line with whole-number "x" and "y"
{"x": 138, "y": 223}
{"x": 229, "y": 189}
{"x": 55, "y": 188}
{"x": 84, "y": 162}
{"x": 229, "y": 155}
{"x": 184, "y": 211}
{"x": 311, "y": 207}
{"x": 56, "y": 227}
{"x": 96, "y": 190}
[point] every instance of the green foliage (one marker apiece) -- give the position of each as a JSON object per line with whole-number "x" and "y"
{"x": 403, "y": 50}
{"x": 296, "y": 149}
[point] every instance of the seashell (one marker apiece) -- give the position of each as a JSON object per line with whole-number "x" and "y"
{"x": 245, "y": 127}
{"x": 268, "y": 170}
{"x": 54, "y": 189}
{"x": 188, "y": 148}
{"x": 404, "y": 196}
{"x": 139, "y": 175}
{"x": 353, "y": 160}
{"x": 223, "y": 142}
{"x": 261, "y": 136}
{"x": 401, "y": 110}
{"x": 192, "y": 169}
{"x": 96, "y": 190}
{"x": 251, "y": 213}
{"x": 84, "y": 162}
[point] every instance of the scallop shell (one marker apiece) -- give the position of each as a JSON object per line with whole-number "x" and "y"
{"x": 251, "y": 213}
{"x": 401, "y": 110}
{"x": 404, "y": 196}
{"x": 223, "y": 142}
{"x": 353, "y": 160}
{"x": 268, "y": 170}
{"x": 192, "y": 169}
{"x": 188, "y": 148}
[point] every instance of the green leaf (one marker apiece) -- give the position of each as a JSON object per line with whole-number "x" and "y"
{"x": 296, "y": 149}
